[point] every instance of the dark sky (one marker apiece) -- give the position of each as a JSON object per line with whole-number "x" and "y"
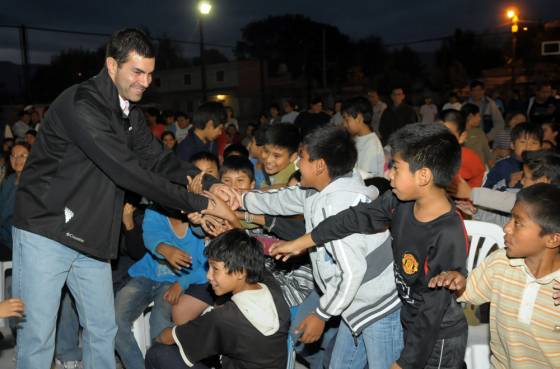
{"x": 393, "y": 20}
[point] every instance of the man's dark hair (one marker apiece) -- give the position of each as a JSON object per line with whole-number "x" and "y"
{"x": 239, "y": 253}
{"x": 470, "y": 109}
{"x": 24, "y": 112}
{"x": 477, "y": 83}
{"x": 291, "y": 103}
{"x": 316, "y": 100}
{"x": 454, "y": 117}
{"x": 236, "y": 150}
{"x": 428, "y": 145}
{"x": 238, "y": 164}
{"x": 542, "y": 85}
{"x": 540, "y": 198}
{"x": 527, "y": 130}
{"x": 128, "y": 40}
{"x": 168, "y": 113}
{"x": 543, "y": 163}
{"x": 358, "y": 105}
{"x": 335, "y": 146}
{"x": 260, "y": 136}
{"x": 283, "y": 135}
{"x": 398, "y": 87}
{"x": 204, "y": 155}
{"x": 209, "y": 111}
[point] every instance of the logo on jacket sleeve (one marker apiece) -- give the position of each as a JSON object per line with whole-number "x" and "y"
{"x": 68, "y": 214}
{"x": 409, "y": 263}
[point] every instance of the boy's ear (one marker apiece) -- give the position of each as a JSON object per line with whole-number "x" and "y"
{"x": 552, "y": 240}
{"x": 320, "y": 166}
{"x": 423, "y": 176}
{"x": 240, "y": 275}
{"x": 293, "y": 156}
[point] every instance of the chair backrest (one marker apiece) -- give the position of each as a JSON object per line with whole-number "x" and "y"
{"x": 484, "y": 236}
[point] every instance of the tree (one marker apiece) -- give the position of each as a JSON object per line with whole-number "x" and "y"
{"x": 169, "y": 54}
{"x": 467, "y": 51}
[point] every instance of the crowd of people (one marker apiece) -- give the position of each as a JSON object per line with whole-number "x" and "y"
{"x": 336, "y": 234}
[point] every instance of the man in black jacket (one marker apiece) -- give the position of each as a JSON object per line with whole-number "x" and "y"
{"x": 94, "y": 144}
{"x": 396, "y": 116}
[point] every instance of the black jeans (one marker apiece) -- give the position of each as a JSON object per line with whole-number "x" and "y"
{"x": 448, "y": 353}
{"x": 161, "y": 356}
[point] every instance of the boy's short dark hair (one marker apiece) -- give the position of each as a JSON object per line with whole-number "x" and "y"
{"x": 454, "y": 117}
{"x": 238, "y": 164}
{"x": 31, "y": 132}
{"x": 283, "y": 135}
{"x": 153, "y": 112}
{"x": 477, "y": 83}
{"x": 470, "y": 109}
{"x": 168, "y": 113}
{"x": 236, "y": 148}
{"x": 128, "y": 40}
{"x": 239, "y": 253}
{"x": 335, "y": 146}
{"x": 209, "y": 111}
{"x": 527, "y": 130}
{"x": 428, "y": 145}
{"x": 358, "y": 105}
{"x": 540, "y": 197}
{"x": 260, "y": 136}
{"x": 543, "y": 163}
{"x": 204, "y": 155}
{"x": 181, "y": 114}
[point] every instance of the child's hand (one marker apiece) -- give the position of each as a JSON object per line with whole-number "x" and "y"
{"x": 451, "y": 280}
{"x": 218, "y": 208}
{"x": 11, "y": 308}
{"x": 466, "y": 207}
{"x": 127, "y": 218}
{"x": 283, "y": 250}
{"x": 395, "y": 366}
{"x": 311, "y": 329}
{"x": 176, "y": 257}
{"x": 195, "y": 184}
{"x": 166, "y": 336}
{"x": 195, "y": 217}
{"x": 173, "y": 294}
{"x": 214, "y": 226}
{"x": 228, "y": 194}
{"x": 556, "y": 293}
{"x": 514, "y": 178}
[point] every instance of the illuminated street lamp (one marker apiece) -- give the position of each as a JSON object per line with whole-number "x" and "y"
{"x": 514, "y": 18}
{"x": 204, "y": 8}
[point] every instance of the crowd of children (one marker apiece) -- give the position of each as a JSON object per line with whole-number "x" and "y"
{"x": 312, "y": 259}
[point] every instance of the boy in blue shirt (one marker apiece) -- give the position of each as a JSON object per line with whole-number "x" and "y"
{"x": 174, "y": 262}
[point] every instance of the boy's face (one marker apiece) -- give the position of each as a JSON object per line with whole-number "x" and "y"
{"x": 403, "y": 181}
{"x": 522, "y": 234}
{"x": 549, "y": 134}
{"x": 221, "y": 279}
{"x": 525, "y": 143}
{"x": 237, "y": 180}
{"x": 276, "y": 158}
{"x": 208, "y": 166}
{"x": 353, "y": 124}
{"x": 307, "y": 168}
{"x": 474, "y": 120}
{"x": 212, "y": 132}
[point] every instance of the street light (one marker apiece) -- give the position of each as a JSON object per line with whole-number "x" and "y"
{"x": 204, "y": 8}
{"x": 512, "y": 15}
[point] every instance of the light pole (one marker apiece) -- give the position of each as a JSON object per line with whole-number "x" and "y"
{"x": 514, "y": 17}
{"x": 204, "y": 8}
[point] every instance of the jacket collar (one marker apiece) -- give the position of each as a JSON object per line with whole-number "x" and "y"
{"x": 108, "y": 90}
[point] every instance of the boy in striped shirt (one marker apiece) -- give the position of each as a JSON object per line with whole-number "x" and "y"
{"x": 518, "y": 283}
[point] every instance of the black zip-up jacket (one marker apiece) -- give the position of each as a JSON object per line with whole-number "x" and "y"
{"x": 421, "y": 250}
{"x": 87, "y": 153}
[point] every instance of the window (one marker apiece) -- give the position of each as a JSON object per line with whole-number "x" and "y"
{"x": 220, "y": 76}
{"x": 187, "y": 79}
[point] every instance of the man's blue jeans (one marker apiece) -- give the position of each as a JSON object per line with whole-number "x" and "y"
{"x": 67, "y": 340}
{"x": 377, "y": 347}
{"x": 41, "y": 267}
{"x": 130, "y": 302}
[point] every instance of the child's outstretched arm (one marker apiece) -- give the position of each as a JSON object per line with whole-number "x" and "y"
{"x": 451, "y": 280}
{"x": 284, "y": 249}
{"x": 11, "y": 308}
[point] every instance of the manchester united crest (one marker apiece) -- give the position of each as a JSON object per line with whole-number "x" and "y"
{"x": 409, "y": 264}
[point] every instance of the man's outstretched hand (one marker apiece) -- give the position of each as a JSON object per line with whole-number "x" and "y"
{"x": 228, "y": 194}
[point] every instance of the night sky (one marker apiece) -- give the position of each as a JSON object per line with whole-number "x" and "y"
{"x": 394, "y": 21}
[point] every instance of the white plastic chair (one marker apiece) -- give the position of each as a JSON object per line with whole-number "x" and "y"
{"x": 141, "y": 330}
{"x": 483, "y": 237}
{"x": 4, "y": 267}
